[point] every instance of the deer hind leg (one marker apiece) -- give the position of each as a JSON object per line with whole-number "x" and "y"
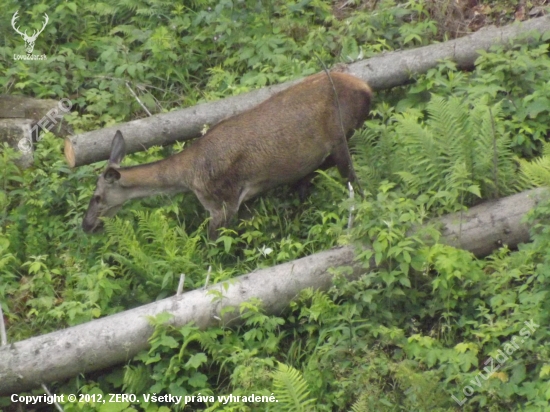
{"x": 303, "y": 187}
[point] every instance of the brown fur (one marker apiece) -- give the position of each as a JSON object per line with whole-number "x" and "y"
{"x": 281, "y": 141}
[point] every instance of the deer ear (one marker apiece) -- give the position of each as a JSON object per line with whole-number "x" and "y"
{"x": 111, "y": 175}
{"x": 118, "y": 150}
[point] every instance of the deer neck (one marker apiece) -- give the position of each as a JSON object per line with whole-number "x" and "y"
{"x": 162, "y": 177}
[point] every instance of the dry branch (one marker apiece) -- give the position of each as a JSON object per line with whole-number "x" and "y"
{"x": 115, "y": 339}
{"x": 381, "y": 72}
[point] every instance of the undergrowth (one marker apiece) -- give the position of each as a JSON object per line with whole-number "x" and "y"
{"x": 409, "y": 335}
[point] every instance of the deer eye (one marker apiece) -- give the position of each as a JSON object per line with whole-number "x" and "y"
{"x": 97, "y": 198}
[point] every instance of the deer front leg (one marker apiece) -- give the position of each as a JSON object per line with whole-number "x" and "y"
{"x": 222, "y": 203}
{"x": 220, "y": 216}
{"x": 342, "y": 158}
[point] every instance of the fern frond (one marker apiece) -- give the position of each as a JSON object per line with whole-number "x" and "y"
{"x": 363, "y": 142}
{"x": 122, "y": 234}
{"x": 420, "y": 151}
{"x": 461, "y": 150}
{"x": 537, "y": 171}
{"x": 129, "y": 5}
{"x": 491, "y": 150}
{"x": 136, "y": 378}
{"x": 321, "y": 306}
{"x": 361, "y": 405}
{"x": 459, "y": 178}
{"x": 291, "y": 390}
{"x": 102, "y": 8}
{"x": 449, "y": 125}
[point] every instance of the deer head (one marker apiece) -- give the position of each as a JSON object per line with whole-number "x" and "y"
{"x": 29, "y": 40}
{"x": 108, "y": 197}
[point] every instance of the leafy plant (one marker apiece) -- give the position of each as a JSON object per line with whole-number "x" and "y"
{"x": 538, "y": 170}
{"x": 457, "y": 150}
{"x": 406, "y": 335}
{"x": 291, "y": 389}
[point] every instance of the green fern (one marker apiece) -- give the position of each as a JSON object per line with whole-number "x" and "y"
{"x": 456, "y": 152}
{"x": 291, "y": 390}
{"x": 361, "y": 405}
{"x": 317, "y": 304}
{"x": 374, "y": 146}
{"x": 157, "y": 249}
{"x": 537, "y": 170}
{"x": 136, "y": 378}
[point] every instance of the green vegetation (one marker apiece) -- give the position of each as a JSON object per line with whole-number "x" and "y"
{"x": 407, "y": 336}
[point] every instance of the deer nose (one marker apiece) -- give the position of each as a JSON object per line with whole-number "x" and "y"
{"x": 91, "y": 227}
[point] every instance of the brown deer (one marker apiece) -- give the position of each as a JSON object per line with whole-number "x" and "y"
{"x": 281, "y": 141}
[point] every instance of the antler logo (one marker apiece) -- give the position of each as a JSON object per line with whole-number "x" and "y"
{"x": 29, "y": 40}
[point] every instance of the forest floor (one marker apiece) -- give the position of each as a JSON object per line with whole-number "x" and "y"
{"x": 458, "y": 18}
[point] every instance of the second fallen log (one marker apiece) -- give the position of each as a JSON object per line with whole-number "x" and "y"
{"x": 115, "y": 339}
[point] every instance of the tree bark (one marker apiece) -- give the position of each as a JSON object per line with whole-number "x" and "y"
{"x": 381, "y": 72}
{"x": 22, "y": 107}
{"x": 17, "y": 133}
{"x": 115, "y": 339}
{"x": 23, "y": 118}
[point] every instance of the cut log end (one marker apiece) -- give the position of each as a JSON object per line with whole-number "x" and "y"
{"x": 69, "y": 152}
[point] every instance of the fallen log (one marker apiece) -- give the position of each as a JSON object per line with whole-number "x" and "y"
{"x": 381, "y": 72}
{"x": 21, "y": 120}
{"x": 116, "y": 339}
{"x": 22, "y": 107}
{"x": 17, "y": 133}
